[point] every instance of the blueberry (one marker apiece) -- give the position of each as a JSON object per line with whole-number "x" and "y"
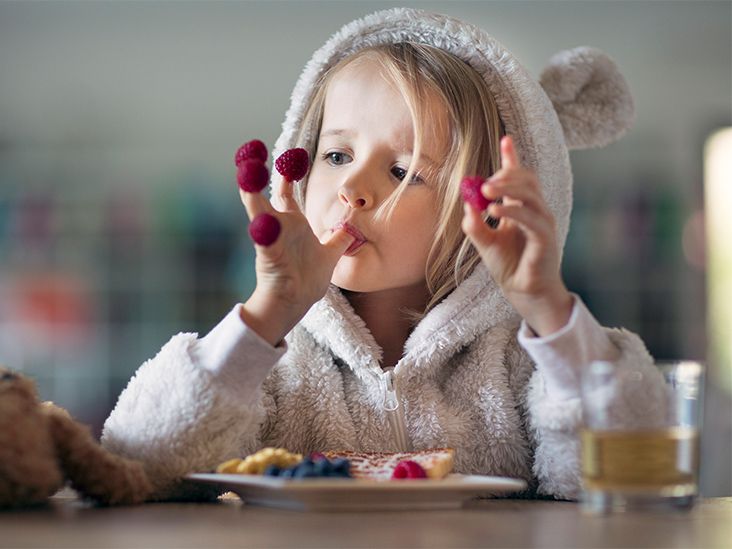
{"x": 304, "y": 471}
{"x": 287, "y": 473}
{"x": 272, "y": 471}
{"x": 342, "y": 467}
{"x": 322, "y": 468}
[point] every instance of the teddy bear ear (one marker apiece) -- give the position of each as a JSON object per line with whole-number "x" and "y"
{"x": 590, "y": 95}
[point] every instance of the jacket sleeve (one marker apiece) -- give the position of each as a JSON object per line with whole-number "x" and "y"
{"x": 551, "y": 394}
{"x": 197, "y": 403}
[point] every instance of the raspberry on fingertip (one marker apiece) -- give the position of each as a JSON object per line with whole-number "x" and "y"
{"x": 252, "y": 175}
{"x": 293, "y": 164}
{"x": 264, "y": 229}
{"x": 470, "y": 190}
{"x": 251, "y": 149}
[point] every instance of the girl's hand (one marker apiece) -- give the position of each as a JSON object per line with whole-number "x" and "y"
{"x": 521, "y": 253}
{"x": 292, "y": 273}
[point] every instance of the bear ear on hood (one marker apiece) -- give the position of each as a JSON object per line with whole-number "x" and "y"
{"x": 590, "y": 95}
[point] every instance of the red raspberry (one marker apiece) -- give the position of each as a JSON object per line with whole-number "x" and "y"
{"x": 264, "y": 229}
{"x": 293, "y": 164}
{"x": 251, "y": 149}
{"x": 252, "y": 175}
{"x": 470, "y": 190}
{"x": 408, "y": 469}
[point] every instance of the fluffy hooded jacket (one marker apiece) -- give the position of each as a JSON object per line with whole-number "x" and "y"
{"x": 465, "y": 379}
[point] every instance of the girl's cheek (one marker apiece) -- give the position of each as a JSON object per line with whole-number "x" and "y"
{"x": 315, "y": 209}
{"x": 308, "y": 211}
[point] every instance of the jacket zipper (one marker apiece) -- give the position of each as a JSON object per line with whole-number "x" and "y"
{"x": 395, "y": 412}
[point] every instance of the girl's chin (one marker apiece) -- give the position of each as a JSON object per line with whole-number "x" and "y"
{"x": 347, "y": 283}
{"x": 347, "y": 278}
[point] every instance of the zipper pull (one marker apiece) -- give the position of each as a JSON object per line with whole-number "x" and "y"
{"x": 391, "y": 402}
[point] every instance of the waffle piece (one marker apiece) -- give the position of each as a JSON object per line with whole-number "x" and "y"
{"x": 437, "y": 462}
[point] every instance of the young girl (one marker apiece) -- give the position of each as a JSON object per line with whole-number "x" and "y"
{"x": 388, "y": 315}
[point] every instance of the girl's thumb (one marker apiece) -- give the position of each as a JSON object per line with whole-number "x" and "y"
{"x": 476, "y": 229}
{"x": 338, "y": 243}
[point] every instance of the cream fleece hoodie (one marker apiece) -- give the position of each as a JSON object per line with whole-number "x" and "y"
{"x": 471, "y": 377}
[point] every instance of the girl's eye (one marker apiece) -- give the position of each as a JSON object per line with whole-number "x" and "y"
{"x": 336, "y": 158}
{"x": 400, "y": 173}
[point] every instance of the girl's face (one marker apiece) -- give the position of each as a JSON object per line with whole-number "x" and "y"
{"x": 364, "y": 151}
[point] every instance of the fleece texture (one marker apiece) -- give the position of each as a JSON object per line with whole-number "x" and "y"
{"x": 464, "y": 381}
{"x": 480, "y": 393}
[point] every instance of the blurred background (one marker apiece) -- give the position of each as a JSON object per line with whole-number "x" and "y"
{"x": 120, "y": 222}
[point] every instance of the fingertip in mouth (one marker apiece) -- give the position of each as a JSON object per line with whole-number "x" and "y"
{"x": 359, "y": 238}
{"x": 350, "y": 229}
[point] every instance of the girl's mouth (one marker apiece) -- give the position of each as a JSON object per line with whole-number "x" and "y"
{"x": 359, "y": 241}
{"x": 353, "y": 248}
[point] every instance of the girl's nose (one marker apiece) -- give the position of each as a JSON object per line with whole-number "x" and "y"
{"x": 355, "y": 198}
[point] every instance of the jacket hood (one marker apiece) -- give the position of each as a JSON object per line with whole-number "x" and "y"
{"x": 580, "y": 100}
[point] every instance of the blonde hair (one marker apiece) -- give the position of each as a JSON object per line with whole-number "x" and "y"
{"x": 475, "y": 129}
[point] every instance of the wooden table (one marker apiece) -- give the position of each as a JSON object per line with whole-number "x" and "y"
{"x": 67, "y": 522}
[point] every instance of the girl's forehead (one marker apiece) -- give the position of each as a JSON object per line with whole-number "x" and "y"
{"x": 360, "y": 73}
{"x": 359, "y": 98}
{"x": 361, "y": 94}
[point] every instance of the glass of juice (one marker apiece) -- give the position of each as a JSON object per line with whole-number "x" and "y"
{"x": 640, "y": 436}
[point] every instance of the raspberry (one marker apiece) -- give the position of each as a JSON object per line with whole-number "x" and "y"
{"x": 251, "y": 149}
{"x": 252, "y": 175}
{"x": 293, "y": 164}
{"x": 341, "y": 467}
{"x": 408, "y": 469}
{"x": 470, "y": 190}
{"x": 264, "y": 229}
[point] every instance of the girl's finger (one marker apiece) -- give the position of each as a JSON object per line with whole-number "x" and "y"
{"x": 509, "y": 158}
{"x": 515, "y": 190}
{"x": 338, "y": 243}
{"x": 286, "y": 196}
{"x": 473, "y": 225}
{"x": 527, "y": 177}
{"x": 255, "y": 204}
{"x": 534, "y": 225}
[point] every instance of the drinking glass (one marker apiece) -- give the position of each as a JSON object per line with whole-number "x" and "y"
{"x": 640, "y": 445}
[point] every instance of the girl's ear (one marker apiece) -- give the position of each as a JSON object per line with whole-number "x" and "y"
{"x": 591, "y": 97}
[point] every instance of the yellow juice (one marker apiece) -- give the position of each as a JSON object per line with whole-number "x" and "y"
{"x": 663, "y": 461}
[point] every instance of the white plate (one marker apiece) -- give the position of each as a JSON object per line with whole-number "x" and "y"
{"x": 343, "y": 494}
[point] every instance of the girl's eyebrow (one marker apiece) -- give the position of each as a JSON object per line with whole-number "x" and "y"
{"x": 346, "y": 133}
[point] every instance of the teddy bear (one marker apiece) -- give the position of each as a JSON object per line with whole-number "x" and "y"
{"x": 42, "y": 447}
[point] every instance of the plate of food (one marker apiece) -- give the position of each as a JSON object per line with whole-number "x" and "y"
{"x": 350, "y": 481}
